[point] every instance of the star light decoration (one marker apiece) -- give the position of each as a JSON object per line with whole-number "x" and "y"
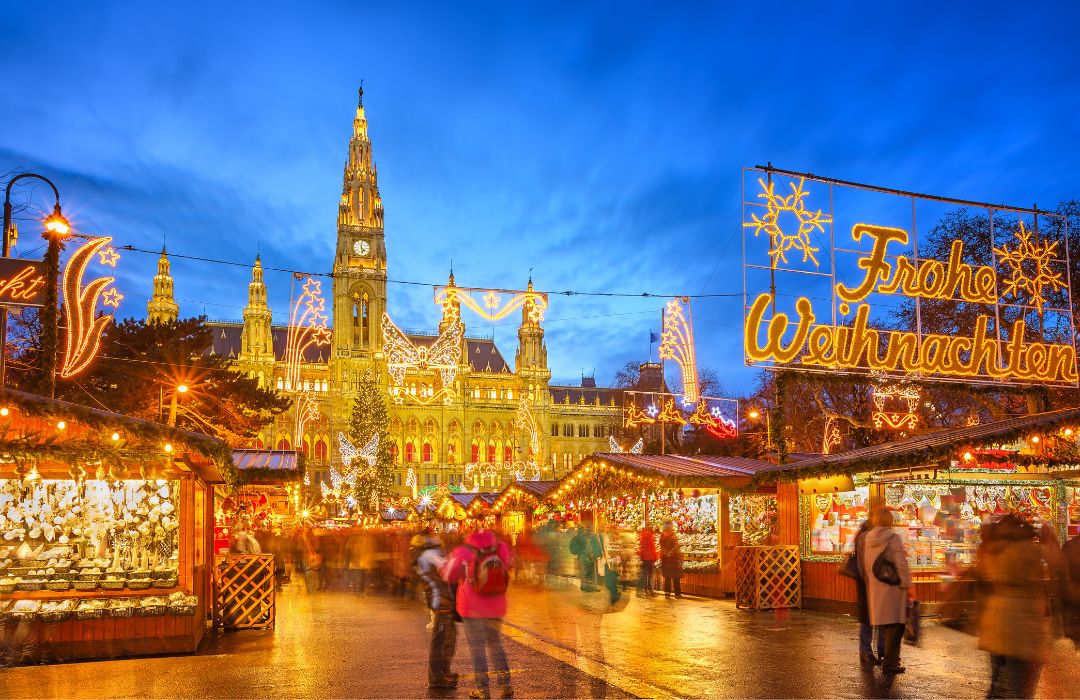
{"x": 84, "y": 327}
{"x": 677, "y": 343}
{"x": 444, "y": 355}
{"x": 780, "y": 242}
{"x": 1029, "y": 266}
{"x": 492, "y": 307}
{"x": 307, "y": 327}
{"x": 895, "y": 420}
{"x": 830, "y": 436}
{"x": 705, "y": 414}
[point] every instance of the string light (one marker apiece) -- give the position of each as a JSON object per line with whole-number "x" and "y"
{"x": 4, "y": 411}
{"x": 83, "y": 338}
{"x": 444, "y": 354}
{"x": 525, "y": 423}
{"x": 779, "y": 241}
{"x": 677, "y": 343}
{"x": 115, "y": 436}
{"x": 830, "y": 437}
{"x": 492, "y": 308}
{"x": 895, "y": 420}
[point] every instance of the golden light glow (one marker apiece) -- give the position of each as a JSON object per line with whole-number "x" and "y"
{"x": 968, "y": 457}
{"x": 492, "y": 307}
{"x": 677, "y": 343}
{"x": 56, "y": 223}
{"x": 4, "y": 411}
{"x": 82, "y": 339}
{"x": 444, "y": 355}
{"x": 168, "y": 447}
{"x": 780, "y": 241}
{"x": 116, "y": 436}
{"x": 1067, "y": 431}
{"x": 60, "y": 425}
{"x": 1035, "y": 439}
{"x": 754, "y": 414}
{"x": 182, "y": 388}
{"x": 1029, "y": 265}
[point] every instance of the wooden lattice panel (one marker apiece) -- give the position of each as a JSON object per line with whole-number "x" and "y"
{"x": 244, "y": 591}
{"x": 767, "y": 577}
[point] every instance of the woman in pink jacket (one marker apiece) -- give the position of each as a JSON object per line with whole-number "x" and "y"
{"x": 480, "y": 568}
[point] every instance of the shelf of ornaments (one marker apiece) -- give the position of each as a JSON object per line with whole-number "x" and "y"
{"x": 73, "y": 594}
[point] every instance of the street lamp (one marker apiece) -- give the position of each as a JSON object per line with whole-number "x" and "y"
{"x": 56, "y": 226}
{"x": 754, "y": 414}
{"x": 180, "y": 389}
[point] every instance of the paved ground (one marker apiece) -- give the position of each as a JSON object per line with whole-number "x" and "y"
{"x": 340, "y": 645}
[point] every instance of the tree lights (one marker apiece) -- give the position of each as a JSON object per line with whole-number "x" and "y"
{"x": 83, "y": 338}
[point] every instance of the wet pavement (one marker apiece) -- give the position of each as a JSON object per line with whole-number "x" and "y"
{"x": 342, "y": 645}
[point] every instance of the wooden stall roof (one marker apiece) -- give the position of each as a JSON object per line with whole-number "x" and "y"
{"x": 210, "y": 458}
{"x": 687, "y": 466}
{"x": 920, "y": 450}
{"x": 267, "y": 466}
{"x": 537, "y": 489}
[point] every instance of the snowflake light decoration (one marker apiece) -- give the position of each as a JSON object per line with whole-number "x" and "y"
{"x": 1029, "y": 268}
{"x": 780, "y": 242}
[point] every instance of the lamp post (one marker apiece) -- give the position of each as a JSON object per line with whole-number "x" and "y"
{"x": 180, "y": 389}
{"x": 755, "y": 415}
{"x": 56, "y": 227}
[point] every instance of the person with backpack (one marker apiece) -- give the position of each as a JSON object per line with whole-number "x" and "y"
{"x": 481, "y": 568}
{"x": 428, "y": 559}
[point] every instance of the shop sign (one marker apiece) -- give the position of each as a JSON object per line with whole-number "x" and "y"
{"x": 22, "y": 282}
{"x": 826, "y": 291}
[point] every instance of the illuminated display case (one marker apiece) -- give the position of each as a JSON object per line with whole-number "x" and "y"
{"x": 835, "y": 519}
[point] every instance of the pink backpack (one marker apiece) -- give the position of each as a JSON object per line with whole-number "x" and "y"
{"x": 490, "y": 576}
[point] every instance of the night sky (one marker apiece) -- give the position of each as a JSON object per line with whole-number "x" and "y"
{"x": 599, "y": 144}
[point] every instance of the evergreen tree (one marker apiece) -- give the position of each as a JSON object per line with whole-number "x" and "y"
{"x": 369, "y": 418}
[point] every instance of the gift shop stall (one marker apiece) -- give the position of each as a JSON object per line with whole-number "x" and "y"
{"x": 267, "y": 495}
{"x": 941, "y": 488}
{"x": 623, "y": 491}
{"x": 105, "y": 531}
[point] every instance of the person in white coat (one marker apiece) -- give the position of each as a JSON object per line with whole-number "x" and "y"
{"x": 887, "y": 602}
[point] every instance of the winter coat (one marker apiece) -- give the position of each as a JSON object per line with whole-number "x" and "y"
{"x": 1013, "y": 620}
{"x": 429, "y": 560}
{"x": 461, "y": 568}
{"x": 886, "y": 605}
{"x": 860, "y": 583}
{"x": 588, "y": 548}
{"x": 646, "y": 549}
{"x": 671, "y": 557}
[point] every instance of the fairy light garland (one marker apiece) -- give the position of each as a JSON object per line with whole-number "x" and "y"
{"x": 595, "y": 475}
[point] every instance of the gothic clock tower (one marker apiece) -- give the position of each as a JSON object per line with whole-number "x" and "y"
{"x": 359, "y": 288}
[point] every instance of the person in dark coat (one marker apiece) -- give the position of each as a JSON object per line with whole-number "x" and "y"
{"x": 867, "y": 659}
{"x": 428, "y": 560}
{"x": 671, "y": 560}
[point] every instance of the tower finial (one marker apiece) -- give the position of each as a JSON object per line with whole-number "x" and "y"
{"x": 361, "y": 101}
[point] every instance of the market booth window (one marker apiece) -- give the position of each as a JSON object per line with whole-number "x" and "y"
{"x": 835, "y": 518}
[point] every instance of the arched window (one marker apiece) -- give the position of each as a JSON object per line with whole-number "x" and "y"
{"x": 394, "y": 451}
{"x": 365, "y": 321}
{"x": 283, "y": 444}
{"x": 451, "y": 453}
{"x": 257, "y": 444}
{"x": 304, "y": 447}
{"x": 475, "y": 453}
{"x": 567, "y": 460}
{"x": 320, "y": 450}
{"x": 491, "y": 453}
{"x": 427, "y": 452}
{"x": 410, "y": 452}
{"x": 508, "y": 454}
{"x": 554, "y": 430}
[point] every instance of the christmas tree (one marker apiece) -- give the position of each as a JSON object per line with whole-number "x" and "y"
{"x": 369, "y": 418}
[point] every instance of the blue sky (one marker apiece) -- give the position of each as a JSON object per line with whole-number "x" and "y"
{"x": 598, "y": 143}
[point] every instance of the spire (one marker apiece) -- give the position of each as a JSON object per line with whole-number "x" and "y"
{"x": 361, "y": 203}
{"x": 532, "y": 352}
{"x": 256, "y": 343}
{"x": 162, "y": 308}
{"x": 451, "y": 306}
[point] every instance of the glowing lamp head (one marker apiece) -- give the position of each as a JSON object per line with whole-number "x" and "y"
{"x": 753, "y": 415}
{"x": 968, "y": 457}
{"x": 1035, "y": 439}
{"x": 168, "y": 447}
{"x": 60, "y": 425}
{"x": 4, "y": 411}
{"x": 1068, "y": 431}
{"x": 115, "y": 436}
{"x": 304, "y": 513}
{"x": 182, "y": 388}
{"x": 56, "y": 224}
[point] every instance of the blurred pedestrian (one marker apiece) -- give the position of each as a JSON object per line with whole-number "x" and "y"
{"x": 884, "y": 566}
{"x": 1071, "y": 552}
{"x": 671, "y": 560}
{"x": 428, "y": 560}
{"x": 242, "y": 541}
{"x": 648, "y": 555}
{"x": 481, "y": 568}
{"x": 588, "y": 548}
{"x": 867, "y": 659}
{"x": 1013, "y": 625}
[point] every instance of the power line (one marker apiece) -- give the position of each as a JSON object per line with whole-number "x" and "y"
{"x": 567, "y": 293}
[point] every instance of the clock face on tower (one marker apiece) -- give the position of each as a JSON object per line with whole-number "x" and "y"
{"x": 361, "y": 248}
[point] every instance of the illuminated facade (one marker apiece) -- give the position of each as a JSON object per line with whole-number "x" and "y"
{"x": 470, "y": 432}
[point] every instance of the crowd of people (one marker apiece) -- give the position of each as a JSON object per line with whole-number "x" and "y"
{"x": 1024, "y": 582}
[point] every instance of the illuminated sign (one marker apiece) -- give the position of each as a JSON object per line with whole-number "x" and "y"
{"x": 824, "y": 291}
{"x": 22, "y": 282}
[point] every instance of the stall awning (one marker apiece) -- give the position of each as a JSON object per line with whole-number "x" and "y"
{"x": 267, "y": 466}
{"x": 685, "y": 466}
{"x": 530, "y": 491}
{"x": 924, "y": 450}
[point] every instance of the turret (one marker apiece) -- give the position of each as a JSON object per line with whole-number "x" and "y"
{"x": 532, "y": 362}
{"x": 361, "y": 204}
{"x": 257, "y": 343}
{"x": 162, "y": 307}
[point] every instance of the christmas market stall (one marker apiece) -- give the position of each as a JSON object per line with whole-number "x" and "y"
{"x": 105, "y": 531}
{"x": 522, "y": 505}
{"x": 940, "y": 487}
{"x": 267, "y": 495}
{"x": 455, "y": 508}
{"x": 623, "y": 491}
